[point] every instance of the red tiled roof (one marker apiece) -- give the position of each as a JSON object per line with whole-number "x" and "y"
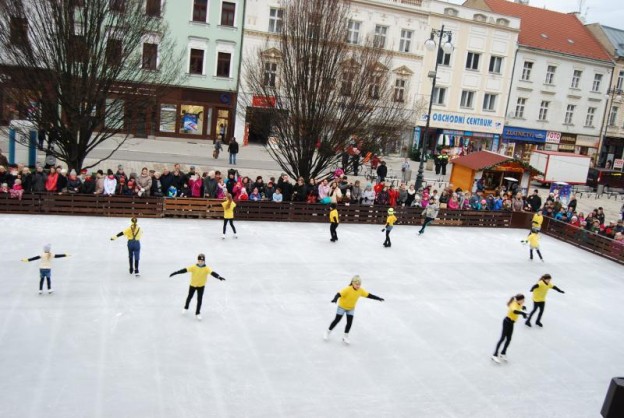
{"x": 480, "y": 159}
{"x": 550, "y": 30}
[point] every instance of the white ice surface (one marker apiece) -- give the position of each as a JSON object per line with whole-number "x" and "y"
{"x": 109, "y": 345}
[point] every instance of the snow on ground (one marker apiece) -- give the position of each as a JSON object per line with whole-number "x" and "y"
{"x": 106, "y": 344}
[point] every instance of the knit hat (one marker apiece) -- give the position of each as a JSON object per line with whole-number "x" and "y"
{"x": 201, "y": 257}
{"x": 356, "y": 279}
{"x": 72, "y": 172}
{"x": 390, "y": 211}
{"x": 47, "y": 248}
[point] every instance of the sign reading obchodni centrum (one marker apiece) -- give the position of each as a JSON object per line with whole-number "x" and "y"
{"x": 450, "y": 120}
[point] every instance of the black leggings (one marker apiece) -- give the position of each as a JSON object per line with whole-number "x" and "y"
{"x": 538, "y": 253}
{"x": 225, "y": 222}
{"x": 332, "y": 231}
{"x": 536, "y": 306}
{"x": 427, "y": 222}
{"x": 338, "y": 318}
{"x": 387, "y": 241}
{"x": 508, "y": 326}
{"x": 200, "y": 296}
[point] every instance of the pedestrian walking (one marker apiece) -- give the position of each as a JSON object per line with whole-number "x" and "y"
{"x": 217, "y": 148}
{"x": 133, "y": 233}
{"x": 233, "y": 150}
{"x": 347, "y": 299}
{"x": 228, "y": 214}
{"x": 514, "y": 308}
{"x": 334, "y": 220}
{"x": 431, "y": 212}
{"x": 390, "y": 221}
{"x": 199, "y": 277}
{"x": 540, "y": 289}
{"x": 45, "y": 266}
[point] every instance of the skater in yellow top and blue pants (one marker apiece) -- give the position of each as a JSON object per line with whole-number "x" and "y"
{"x": 134, "y": 234}
{"x": 514, "y": 308}
{"x": 539, "y": 298}
{"x": 390, "y": 221}
{"x": 228, "y": 214}
{"x": 334, "y": 221}
{"x": 347, "y": 299}
{"x": 199, "y": 277}
{"x": 45, "y": 266}
{"x": 533, "y": 239}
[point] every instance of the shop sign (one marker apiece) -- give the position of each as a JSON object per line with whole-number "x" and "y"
{"x": 465, "y": 120}
{"x": 524, "y": 134}
{"x": 618, "y": 163}
{"x": 468, "y": 134}
{"x": 568, "y": 139}
{"x": 587, "y": 141}
{"x": 263, "y": 101}
{"x": 553, "y": 137}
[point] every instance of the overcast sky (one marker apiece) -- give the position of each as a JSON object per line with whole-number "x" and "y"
{"x": 605, "y": 12}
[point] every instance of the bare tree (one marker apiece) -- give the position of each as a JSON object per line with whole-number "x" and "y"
{"x": 321, "y": 90}
{"x": 79, "y": 68}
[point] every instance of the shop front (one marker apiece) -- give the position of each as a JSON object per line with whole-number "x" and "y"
{"x": 519, "y": 143}
{"x": 612, "y": 150}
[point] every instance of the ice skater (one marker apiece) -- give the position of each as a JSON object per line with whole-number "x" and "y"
{"x": 533, "y": 239}
{"x": 431, "y": 212}
{"x": 134, "y": 234}
{"x": 390, "y": 220}
{"x": 199, "y": 276}
{"x": 45, "y": 266}
{"x": 539, "y": 290}
{"x": 536, "y": 221}
{"x": 334, "y": 220}
{"x": 347, "y": 299}
{"x": 514, "y": 308}
{"x": 228, "y": 214}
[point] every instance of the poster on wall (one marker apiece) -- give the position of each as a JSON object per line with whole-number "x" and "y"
{"x": 189, "y": 123}
{"x": 562, "y": 191}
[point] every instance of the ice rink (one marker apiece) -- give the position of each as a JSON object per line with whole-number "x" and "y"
{"x": 107, "y": 344}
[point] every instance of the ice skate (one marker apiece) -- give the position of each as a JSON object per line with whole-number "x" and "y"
{"x": 137, "y": 274}
{"x": 50, "y": 291}
{"x": 326, "y": 334}
{"x": 223, "y": 236}
{"x": 496, "y": 359}
{"x": 527, "y": 323}
{"x": 198, "y": 316}
{"x": 503, "y": 357}
{"x": 345, "y": 339}
{"x": 235, "y": 236}
{"x": 41, "y": 292}
{"x": 539, "y": 324}
{"x": 542, "y": 260}
{"x": 131, "y": 270}
{"x": 184, "y": 311}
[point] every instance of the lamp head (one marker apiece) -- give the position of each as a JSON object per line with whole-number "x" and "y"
{"x": 430, "y": 44}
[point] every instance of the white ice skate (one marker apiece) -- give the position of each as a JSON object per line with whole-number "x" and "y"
{"x": 503, "y": 357}
{"x": 496, "y": 359}
{"x": 345, "y": 339}
{"x": 184, "y": 311}
{"x": 198, "y": 317}
{"x": 223, "y": 236}
{"x": 235, "y": 236}
{"x": 137, "y": 274}
{"x": 41, "y": 292}
{"x": 50, "y": 291}
{"x": 326, "y": 334}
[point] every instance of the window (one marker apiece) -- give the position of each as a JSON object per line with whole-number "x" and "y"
{"x": 223, "y": 64}
{"x": 270, "y": 73}
{"x": 438, "y": 95}
{"x": 19, "y": 31}
{"x": 596, "y": 83}
{"x": 569, "y": 115}
{"x": 589, "y": 119}
{"x": 550, "y": 74}
{"x": 113, "y": 52}
{"x": 374, "y": 87}
{"x": 192, "y": 120}
{"x": 467, "y": 98}
{"x": 543, "y": 112}
{"x": 168, "y": 116}
{"x": 353, "y": 34}
{"x": 443, "y": 58}
{"x": 117, "y": 5}
{"x": 399, "y": 90}
{"x": 200, "y": 10}
{"x": 576, "y": 78}
{"x": 613, "y": 115}
{"x": 380, "y": 36}
{"x": 152, "y": 8}
{"x": 489, "y": 102}
{"x": 472, "y": 61}
{"x": 150, "y": 56}
{"x": 526, "y": 71}
{"x": 197, "y": 61}
{"x": 620, "y": 81}
{"x": 520, "y": 103}
{"x": 347, "y": 83}
{"x": 496, "y": 64}
{"x": 78, "y": 50}
{"x": 406, "y": 40}
{"x": 276, "y": 18}
{"x": 228, "y": 12}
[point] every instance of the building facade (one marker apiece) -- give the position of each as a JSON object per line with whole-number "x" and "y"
{"x": 560, "y": 80}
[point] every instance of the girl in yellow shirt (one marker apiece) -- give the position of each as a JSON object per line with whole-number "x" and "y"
{"x": 45, "y": 266}
{"x": 539, "y": 298}
{"x": 514, "y": 308}
{"x": 228, "y": 214}
{"x": 134, "y": 234}
{"x": 347, "y": 299}
{"x": 334, "y": 221}
{"x": 199, "y": 277}
{"x": 390, "y": 220}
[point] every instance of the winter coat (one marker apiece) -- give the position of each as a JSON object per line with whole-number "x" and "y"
{"x": 99, "y": 186}
{"x": 156, "y": 189}
{"x": 145, "y": 182}
{"x": 196, "y": 187}
{"x": 299, "y": 193}
{"x": 233, "y": 147}
{"x": 368, "y": 196}
{"x": 73, "y": 184}
{"x": 166, "y": 180}
{"x": 432, "y": 211}
{"x": 110, "y": 185}
{"x": 39, "y": 182}
{"x": 210, "y": 187}
{"x": 88, "y": 185}
{"x": 51, "y": 181}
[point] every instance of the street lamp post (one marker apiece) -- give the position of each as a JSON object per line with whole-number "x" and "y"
{"x": 447, "y": 47}
{"x": 612, "y": 94}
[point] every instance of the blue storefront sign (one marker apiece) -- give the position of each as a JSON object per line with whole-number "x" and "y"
{"x": 512, "y": 133}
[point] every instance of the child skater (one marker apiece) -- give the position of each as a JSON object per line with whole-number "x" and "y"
{"x": 134, "y": 234}
{"x": 45, "y": 266}
{"x": 334, "y": 220}
{"x": 228, "y": 214}
{"x": 347, "y": 298}
{"x": 199, "y": 276}
{"x": 533, "y": 239}
{"x": 539, "y": 290}
{"x": 390, "y": 220}
{"x": 514, "y": 308}
{"x": 431, "y": 212}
